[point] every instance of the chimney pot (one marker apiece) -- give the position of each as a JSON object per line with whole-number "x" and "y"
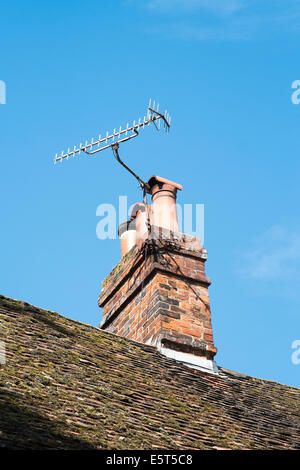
{"x": 163, "y": 193}
{"x": 127, "y": 234}
{"x": 139, "y": 214}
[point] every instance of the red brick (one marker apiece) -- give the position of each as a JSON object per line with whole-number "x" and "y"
{"x": 174, "y": 298}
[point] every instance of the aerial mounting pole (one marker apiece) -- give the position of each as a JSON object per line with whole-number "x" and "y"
{"x": 143, "y": 184}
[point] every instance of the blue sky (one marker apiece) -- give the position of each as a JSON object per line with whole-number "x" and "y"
{"x": 224, "y": 70}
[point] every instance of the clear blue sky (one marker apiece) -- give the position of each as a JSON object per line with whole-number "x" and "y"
{"x": 224, "y": 70}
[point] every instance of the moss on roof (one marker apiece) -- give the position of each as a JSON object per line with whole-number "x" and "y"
{"x": 67, "y": 385}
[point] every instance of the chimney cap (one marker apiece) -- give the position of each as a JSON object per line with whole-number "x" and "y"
{"x": 158, "y": 179}
{"x": 138, "y": 207}
{"x": 126, "y": 226}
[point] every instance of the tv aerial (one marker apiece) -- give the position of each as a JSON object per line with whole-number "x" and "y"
{"x": 114, "y": 140}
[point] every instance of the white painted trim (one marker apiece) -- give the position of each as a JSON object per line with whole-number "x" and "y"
{"x": 190, "y": 360}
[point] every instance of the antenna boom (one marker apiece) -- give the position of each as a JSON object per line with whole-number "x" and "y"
{"x": 153, "y": 115}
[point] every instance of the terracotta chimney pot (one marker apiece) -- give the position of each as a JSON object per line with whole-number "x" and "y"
{"x": 163, "y": 193}
{"x": 127, "y": 234}
{"x": 139, "y": 214}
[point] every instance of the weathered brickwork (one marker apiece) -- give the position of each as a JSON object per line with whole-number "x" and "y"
{"x": 158, "y": 294}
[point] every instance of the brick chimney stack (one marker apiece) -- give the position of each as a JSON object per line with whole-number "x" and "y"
{"x": 158, "y": 293}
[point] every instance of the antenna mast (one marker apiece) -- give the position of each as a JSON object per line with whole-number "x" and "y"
{"x": 114, "y": 140}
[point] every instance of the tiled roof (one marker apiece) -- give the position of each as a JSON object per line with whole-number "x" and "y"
{"x": 67, "y": 385}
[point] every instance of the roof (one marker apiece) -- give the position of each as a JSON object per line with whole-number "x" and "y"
{"x": 68, "y": 385}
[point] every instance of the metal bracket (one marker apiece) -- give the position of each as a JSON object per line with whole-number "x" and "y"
{"x": 145, "y": 186}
